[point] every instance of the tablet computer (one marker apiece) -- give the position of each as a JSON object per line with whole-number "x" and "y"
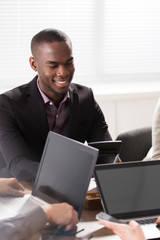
{"x": 108, "y": 151}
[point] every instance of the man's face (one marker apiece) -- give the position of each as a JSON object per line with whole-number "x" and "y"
{"x": 55, "y": 67}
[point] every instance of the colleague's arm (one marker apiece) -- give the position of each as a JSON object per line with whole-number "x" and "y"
{"x": 132, "y": 231}
{"x": 156, "y": 133}
{"x": 22, "y": 226}
{"x": 10, "y": 186}
{"x": 25, "y": 226}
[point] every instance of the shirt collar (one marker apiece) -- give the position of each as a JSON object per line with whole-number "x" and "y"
{"x": 46, "y": 99}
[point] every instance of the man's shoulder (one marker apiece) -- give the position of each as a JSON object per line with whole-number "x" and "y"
{"x": 78, "y": 88}
{"x": 18, "y": 91}
{"x": 16, "y": 94}
{"x": 84, "y": 94}
{"x": 15, "y": 91}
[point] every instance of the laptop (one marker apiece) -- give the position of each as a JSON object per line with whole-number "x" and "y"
{"x": 130, "y": 190}
{"x": 64, "y": 174}
{"x": 108, "y": 151}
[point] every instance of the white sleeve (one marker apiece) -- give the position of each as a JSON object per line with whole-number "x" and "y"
{"x": 22, "y": 226}
{"x": 156, "y": 133}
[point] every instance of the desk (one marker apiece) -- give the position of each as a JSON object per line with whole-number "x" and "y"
{"x": 89, "y": 228}
{"x": 87, "y": 222}
{"x": 92, "y": 229}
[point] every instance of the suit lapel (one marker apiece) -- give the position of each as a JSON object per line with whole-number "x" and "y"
{"x": 74, "y": 113}
{"x": 37, "y": 105}
{"x": 36, "y": 102}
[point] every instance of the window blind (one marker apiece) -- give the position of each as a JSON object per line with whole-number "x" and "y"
{"x": 132, "y": 39}
{"x": 113, "y": 40}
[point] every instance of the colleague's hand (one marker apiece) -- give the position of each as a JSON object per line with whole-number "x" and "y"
{"x": 62, "y": 215}
{"x": 158, "y": 221}
{"x": 11, "y": 186}
{"x": 132, "y": 231}
{"x": 118, "y": 160}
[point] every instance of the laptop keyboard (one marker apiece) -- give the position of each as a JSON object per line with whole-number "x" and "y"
{"x": 146, "y": 221}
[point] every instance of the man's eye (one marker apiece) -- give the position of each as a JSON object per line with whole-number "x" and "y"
{"x": 69, "y": 63}
{"x": 54, "y": 66}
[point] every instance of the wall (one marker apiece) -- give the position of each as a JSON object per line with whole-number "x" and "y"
{"x": 126, "y": 111}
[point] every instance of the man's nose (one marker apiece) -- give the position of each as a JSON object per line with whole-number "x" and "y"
{"x": 62, "y": 71}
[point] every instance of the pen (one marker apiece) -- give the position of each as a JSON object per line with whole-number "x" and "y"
{"x": 80, "y": 231}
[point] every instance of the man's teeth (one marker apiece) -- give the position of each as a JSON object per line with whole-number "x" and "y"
{"x": 61, "y": 82}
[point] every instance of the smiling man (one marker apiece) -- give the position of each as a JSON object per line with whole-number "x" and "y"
{"x": 49, "y": 102}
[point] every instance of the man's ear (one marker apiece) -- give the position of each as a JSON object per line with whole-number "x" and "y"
{"x": 33, "y": 63}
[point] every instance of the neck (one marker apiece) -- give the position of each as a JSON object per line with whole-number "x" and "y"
{"x": 56, "y": 99}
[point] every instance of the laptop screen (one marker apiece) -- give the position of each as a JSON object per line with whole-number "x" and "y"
{"x": 108, "y": 150}
{"x": 130, "y": 189}
{"x": 65, "y": 171}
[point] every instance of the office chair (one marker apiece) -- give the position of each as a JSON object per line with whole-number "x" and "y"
{"x": 135, "y": 144}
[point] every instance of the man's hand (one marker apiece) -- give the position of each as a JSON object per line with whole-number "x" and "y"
{"x": 11, "y": 186}
{"x": 132, "y": 231}
{"x": 62, "y": 215}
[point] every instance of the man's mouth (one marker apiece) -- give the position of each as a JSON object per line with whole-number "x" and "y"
{"x": 61, "y": 82}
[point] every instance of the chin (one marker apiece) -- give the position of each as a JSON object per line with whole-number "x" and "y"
{"x": 60, "y": 92}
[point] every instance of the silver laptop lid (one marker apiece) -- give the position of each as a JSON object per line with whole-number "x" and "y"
{"x": 130, "y": 190}
{"x": 65, "y": 170}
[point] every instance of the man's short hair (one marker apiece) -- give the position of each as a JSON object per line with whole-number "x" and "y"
{"x": 48, "y": 35}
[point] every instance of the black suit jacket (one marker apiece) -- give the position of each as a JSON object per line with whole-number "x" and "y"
{"x": 24, "y": 126}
